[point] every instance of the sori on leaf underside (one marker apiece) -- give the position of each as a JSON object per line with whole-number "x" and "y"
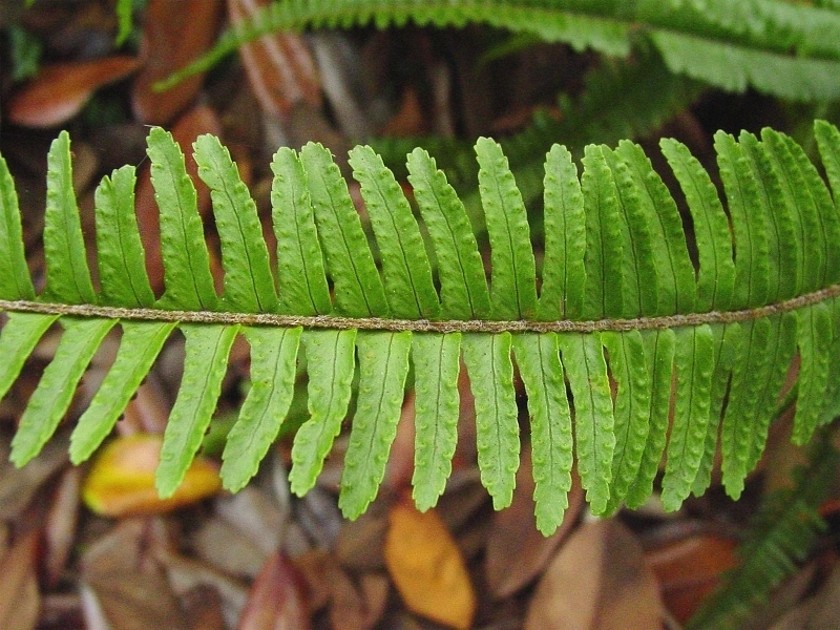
{"x": 644, "y": 325}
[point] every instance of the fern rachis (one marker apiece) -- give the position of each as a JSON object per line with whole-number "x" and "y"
{"x": 619, "y": 298}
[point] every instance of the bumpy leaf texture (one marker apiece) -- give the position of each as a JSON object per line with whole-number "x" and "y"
{"x": 632, "y": 348}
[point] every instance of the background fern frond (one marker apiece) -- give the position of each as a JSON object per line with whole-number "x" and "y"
{"x": 782, "y": 48}
{"x": 624, "y": 316}
{"x": 783, "y": 533}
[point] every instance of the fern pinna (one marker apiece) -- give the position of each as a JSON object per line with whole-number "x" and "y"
{"x": 637, "y": 327}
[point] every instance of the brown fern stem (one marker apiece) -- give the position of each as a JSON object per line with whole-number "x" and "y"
{"x": 423, "y": 325}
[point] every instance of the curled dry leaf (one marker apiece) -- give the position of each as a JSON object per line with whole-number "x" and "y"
{"x": 428, "y": 568}
{"x": 60, "y": 90}
{"x": 280, "y": 68}
{"x": 276, "y": 601}
{"x": 122, "y": 479}
{"x": 175, "y": 33}
{"x": 598, "y": 580}
{"x": 516, "y": 551}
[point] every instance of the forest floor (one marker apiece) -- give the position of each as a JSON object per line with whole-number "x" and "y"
{"x": 263, "y": 558}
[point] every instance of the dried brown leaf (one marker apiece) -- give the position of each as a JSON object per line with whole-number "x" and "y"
{"x": 280, "y": 68}
{"x": 60, "y": 525}
{"x": 224, "y": 546}
{"x": 516, "y": 551}
{"x": 19, "y": 485}
{"x": 347, "y": 605}
{"x": 185, "y": 574}
{"x": 689, "y": 569}
{"x": 203, "y": 607}
{"x": 175, "y": 33}
{"x": 60, "y": 90}
{"x": 599, "y": 580}
{"x": 19, "y": 597}
{"x": 276, "y": 601}
{"x": 360, "y": 542}
{"x": 125, "y": 586}
{"x": 257, "y": 515}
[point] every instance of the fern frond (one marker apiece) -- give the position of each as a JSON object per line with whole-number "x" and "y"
{"x": 624, "y": 316}
{"x": 782, "y": 534}
{"x": 785, "y": 49}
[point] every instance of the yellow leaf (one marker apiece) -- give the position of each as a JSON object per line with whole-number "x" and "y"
{"x": 428, "y": 568}
{"x": 122, "y": 479}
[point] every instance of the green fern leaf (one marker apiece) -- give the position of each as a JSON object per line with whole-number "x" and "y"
{"x": 359, "y": 290}
{"x": 14, "y": 274}
{"x": 735, "y": 68}
{"x": 814, "y": 341}
{"x": 300, "y": 265}
{"x": 68, "y": 276}
{"x": 675, "y": 273}
{"x": 781, "y": 354}
{"x": 640, "y": 275}
{"x": 605, "y": 258}
{"x": 52, "y": 397}
{"x": 513, "y": 292}
{"x": 564, "y": 274}
{"x": 752, "y": 251}
{"x": 205, "y": 364}
{"x": 583, "y": 358}
{"x": 249, "y": 285}
{"x": 832, "y": 393}
{"x": 749, "y": 374}
{"x": 383, "y": 366}
{"x": 330, "y": 360}
{"x": 120, "y": 254}
{"x": 189, "y": 284}
{"x": 797, "y": 194}
{"x": 660, "y": 346}
{"x": 139, "y": 347}
{"x": 273, "y": 360}
{"x": 436, "y": 360}
{"x": 464, "y": 293}
{"x": 828, "y": 140}
{"x": 716, "y": 279}
{"x": 621, "y": 304}
{"x": 629, "y": 365}
{"x": 20, "y": 336}
{"x": 693, "y": 362}
{"x": 539, "y": 363}
{"x": 408, "y": 276}
{"x": 728, "y": 341}
{"x": 783, "y": 249}
{"x": 490, "y": 370}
